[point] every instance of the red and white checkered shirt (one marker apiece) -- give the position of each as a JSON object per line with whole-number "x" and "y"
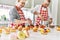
{"x": 44, "y": 14}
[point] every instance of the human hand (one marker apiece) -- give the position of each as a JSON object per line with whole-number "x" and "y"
{"x": 29, "y": 21}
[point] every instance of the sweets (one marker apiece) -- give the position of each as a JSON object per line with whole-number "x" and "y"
{"x": 58, "y": 28}
{"x": 44, "y": 31}
{"x": 0, "y": 30}
{"x": 35, "y": 29}
{"x": 20, "y": 28}
{"x": 6, "y": 31}
{"x": 12, "y": 30}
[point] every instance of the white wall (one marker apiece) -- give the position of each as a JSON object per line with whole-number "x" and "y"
{"x": 38, "y": 2}
{"x": 28, "y": 5}
{"x": 58, "y": 15}
{"x": 54, "y": 10}
{"x": 8, "y": 2}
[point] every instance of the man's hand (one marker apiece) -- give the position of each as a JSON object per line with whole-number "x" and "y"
{"x": 22, "y": 21}
{"x": 19, "y": 21}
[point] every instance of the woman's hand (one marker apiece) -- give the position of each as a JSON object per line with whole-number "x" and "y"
{"x": 42, "y": 18}
{"x": 38, "y": 14}
{"x": 29, "y": 21}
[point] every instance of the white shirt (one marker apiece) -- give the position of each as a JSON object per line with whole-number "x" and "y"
{"x": 28, "y": 14}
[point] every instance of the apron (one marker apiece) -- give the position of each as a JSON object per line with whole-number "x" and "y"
{"x": 44, "y": 14}
{"x": 22, "y": 17}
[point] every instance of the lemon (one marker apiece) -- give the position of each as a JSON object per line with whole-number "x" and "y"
{"x": 21, "y": 35}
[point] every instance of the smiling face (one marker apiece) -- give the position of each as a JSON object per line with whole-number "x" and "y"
{"x": 21, "y": 3}
{"x": 45, "y": 4}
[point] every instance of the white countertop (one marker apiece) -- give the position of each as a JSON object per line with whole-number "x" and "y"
{"x": 53, "y": 35}
{"x": 5, "y": 22}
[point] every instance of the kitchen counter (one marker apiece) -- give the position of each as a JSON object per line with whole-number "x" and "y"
{"x": 53, "y": 35}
